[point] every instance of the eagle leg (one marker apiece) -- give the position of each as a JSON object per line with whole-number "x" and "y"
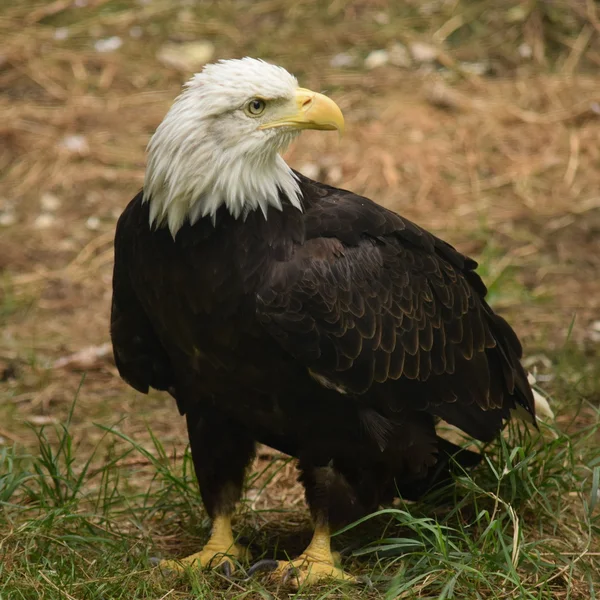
{"x": 330, "y": 500}
{"x": 221, "y": 451}
{"x": 315, "y": 564}
{"x": 219, "y": 551}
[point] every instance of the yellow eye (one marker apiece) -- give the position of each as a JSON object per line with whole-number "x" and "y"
{"x": 256, "y": 106}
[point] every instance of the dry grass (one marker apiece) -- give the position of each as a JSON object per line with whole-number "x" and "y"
{"x": 504, "y": 167}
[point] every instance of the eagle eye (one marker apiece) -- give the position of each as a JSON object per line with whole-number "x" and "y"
{"x": 256, "y": 107}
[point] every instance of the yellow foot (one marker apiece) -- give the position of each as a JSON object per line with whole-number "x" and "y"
{"x": 308, "y": 570}
{"x": 210, "y": 557}
{"x": 315, "y": 564}
{"x": 219, "y": 551}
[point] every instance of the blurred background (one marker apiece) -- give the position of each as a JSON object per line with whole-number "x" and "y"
{"x": 480, "y": 120}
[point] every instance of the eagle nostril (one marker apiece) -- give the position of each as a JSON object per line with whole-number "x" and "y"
{"x": 307, "y": 103}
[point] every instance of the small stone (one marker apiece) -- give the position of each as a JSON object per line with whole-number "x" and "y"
{"x": 594, "y": 331}
{"x": 49, "y": 202}
{"x": 343, "y": 60}
{"x": 475, "y": 68}
{"x": 109, "y": 44}
{"x": 399, "y": 56}
{"x": 77, "y": 144}
{"x": 447, "y": 98}
{"x": 377, "y": 58}
{"x": 8, "y": 218}
{"x": 189, "y": 56}
{"x": 93, "y": 223}
{"x": 423, "y": 53}
{"x": 44, "y": 221}
{"x": 382, "y": 18}
{"x": 61, "y": 33}
{"x": 136, "y": 32}
{"x": 525, "y": 51}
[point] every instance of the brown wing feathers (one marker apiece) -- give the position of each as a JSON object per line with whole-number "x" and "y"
{"x": 396, "y": 304}
{"x": 364, "y": 298}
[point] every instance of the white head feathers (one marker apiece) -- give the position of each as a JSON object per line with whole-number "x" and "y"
{"x": 210, "y": 150}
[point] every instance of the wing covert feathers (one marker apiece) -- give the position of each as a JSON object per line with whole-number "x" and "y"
{"x": 140, "y": 358}
{"x": 396, "y": 315}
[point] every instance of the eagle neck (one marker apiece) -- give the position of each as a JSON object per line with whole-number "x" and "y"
{"x": 187, "y": 185}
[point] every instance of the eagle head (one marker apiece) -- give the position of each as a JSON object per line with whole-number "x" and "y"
{"x": 221, "y": 140}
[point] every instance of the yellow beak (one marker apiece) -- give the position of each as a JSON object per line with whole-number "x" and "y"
{"x": 314, "y": 111}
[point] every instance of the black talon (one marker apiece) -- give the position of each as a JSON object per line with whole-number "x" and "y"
{"x": 266, "y": 564}
{"x": 292, "y": 572}
{"x": 226, "y": 569}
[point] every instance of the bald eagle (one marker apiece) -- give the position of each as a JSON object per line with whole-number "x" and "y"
{"x": 282, "y": 311}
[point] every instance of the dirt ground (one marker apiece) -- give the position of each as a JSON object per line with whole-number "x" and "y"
{"x": 505, "y": 167}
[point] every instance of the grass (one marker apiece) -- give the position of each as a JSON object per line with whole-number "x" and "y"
{"x": 525, "y": 524}
{"x": 503, "y": 165}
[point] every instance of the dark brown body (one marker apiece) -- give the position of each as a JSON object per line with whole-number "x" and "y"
{"x": 337, "y": 335}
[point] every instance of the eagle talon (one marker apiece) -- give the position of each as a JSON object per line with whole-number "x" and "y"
{"x": 291, "y": 576}
{"x": 306, "y": 570}
{"x": 315, "y": 564}
{"x": 205, "y": 559}
{"x": 219, "y": 552}
{"x": 263, "y": 566}
{"x": 227, "y": 569}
